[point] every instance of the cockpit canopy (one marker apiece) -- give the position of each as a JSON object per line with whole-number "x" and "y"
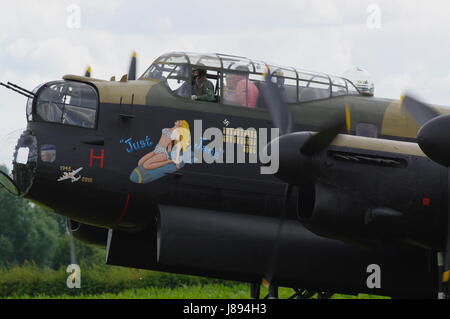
{"x": 297, "y": 85}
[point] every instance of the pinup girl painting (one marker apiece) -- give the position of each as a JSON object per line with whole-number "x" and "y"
{"x": 157, "y": 163}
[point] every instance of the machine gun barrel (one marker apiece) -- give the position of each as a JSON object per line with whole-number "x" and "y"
{"x": 21, "y": 88}
{"x": 20, "y": 91}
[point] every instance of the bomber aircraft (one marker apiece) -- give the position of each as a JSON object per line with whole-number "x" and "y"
{"x": 72, "y": 176}
{"x": 185, "y": 171}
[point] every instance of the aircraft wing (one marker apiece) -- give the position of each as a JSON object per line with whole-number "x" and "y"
{"x": 75, "y": 172}
{"x": 63, "y": 178}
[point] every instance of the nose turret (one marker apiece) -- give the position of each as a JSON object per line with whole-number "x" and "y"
{"x": 25, "y": 162}
{"x": 24, "y": 166}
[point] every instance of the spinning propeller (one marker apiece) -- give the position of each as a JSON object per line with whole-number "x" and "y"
{"x": 298, "y": 148}
{"x": 295, "y": 152}
{"x": 434, "y": 140}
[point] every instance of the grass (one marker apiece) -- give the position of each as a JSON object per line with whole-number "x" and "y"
{"x": 105, "y": 282}
{"x": 209, "y": 291}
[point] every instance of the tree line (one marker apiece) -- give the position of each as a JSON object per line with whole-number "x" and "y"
{"x": 29, "y": 233}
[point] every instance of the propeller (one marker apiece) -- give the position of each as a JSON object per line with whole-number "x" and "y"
{"x": 434, "y": 140}
{"x": 132, "y": 70}
{"x": 421, "y": 112}
{"x": 277, "y": 106}
{"x": 73, "y": 253}
{"x": 295, "y": 151}
{"x": 283, "y": 121}
{"x": 318, "y": 142}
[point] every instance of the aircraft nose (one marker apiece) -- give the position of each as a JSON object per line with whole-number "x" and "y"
{"x": 24, "y": 166}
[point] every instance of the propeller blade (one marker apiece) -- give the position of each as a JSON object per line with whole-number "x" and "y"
{"x": 421, "y": 112}
{"x": 276, "y": 248}
{"x": 132, "y": 71}
{"x": 88, "y": 72}
{"x": 319, "y": 141}
{"x": 73, "y": 252}
{"x": 446, "y": 274}
{"x": 277, "y": 106}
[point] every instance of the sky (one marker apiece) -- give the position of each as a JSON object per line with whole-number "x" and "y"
{"x": 403, "y": 44}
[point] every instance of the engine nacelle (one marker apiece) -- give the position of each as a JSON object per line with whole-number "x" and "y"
{"x": 248, "y": 248}
{"x": 333, "y": 212}
{"x": 364, "y": 195}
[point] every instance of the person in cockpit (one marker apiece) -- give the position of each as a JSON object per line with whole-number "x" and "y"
{"x": 239, "y": 90}
{"x": 202, "y": 88}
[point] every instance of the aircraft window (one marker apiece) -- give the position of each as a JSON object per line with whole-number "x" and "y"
{"x": 256, "y": 78}
{"x": 214, "y": 78}
{"x": 180, "y": 82}
{"x": 352, "y": 90}
{"x": 48, "y": 153}
{"x": 367, "y": 130}
{"x": 173, "y": 58}
{"x": 288, "y": 73}
{"x": 237, "y": 64}
{"x": 339, "y": 87}
{"x": 313, "y": 87}
{"x": 30, "y": 101}
{"x": 178, "y": 79}
{"x": 208, "y": 90}
{"x": 69, "y": 103}
{"x": 289, "y": 90}
{"x": 300, "y": 85}
{"x": 287, "y": 85}
{"x": 240, "y": 90}
{"x": 319, "y": 82}
{"x": 260, "y": 67}
{"x": 259, "y": 81}
{"x": 161, "y": 71}
{"x": 205, "y": 60}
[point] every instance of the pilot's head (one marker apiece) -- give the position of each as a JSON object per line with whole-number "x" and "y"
{"x": 198, "y": 72}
